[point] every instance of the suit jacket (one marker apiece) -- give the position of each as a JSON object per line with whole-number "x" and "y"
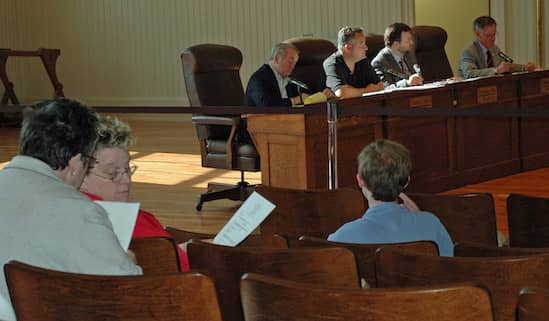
{"x": 390, "y": 71}
{"x": 48, "y": 223}
{"x": 472, "y": 62}
{"x": 262, "y": 89}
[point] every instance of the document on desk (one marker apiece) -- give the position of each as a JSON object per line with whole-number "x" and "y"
{"x": 246, "y": 219}
{"x": 123, "y": 217}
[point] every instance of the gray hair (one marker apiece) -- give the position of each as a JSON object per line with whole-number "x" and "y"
{"x": 280, "y": 50}
{"x": 481, "y": 22}
{"x": 346, "y": 34}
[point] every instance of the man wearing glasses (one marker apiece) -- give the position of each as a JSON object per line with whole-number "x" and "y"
{"x": 482, "y": 57}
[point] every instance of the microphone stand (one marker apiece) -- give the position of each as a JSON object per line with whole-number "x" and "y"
{"x": 300, "y": 97}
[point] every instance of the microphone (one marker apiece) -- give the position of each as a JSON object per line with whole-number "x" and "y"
{"x": 298, "y": 83}
{"x": 505, "y": 57}
{"x": 417, "y": 69}
{"x": 380, "y": 73}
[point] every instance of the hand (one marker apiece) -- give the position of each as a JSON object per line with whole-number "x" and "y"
{"x": 530, "y": 66}
{"x": 328, "y": 93}
{"x": 408, "y": 204}
{"x": 415, "y": 80}
{"x": 132, "y": 256}
{"x": 503, "y": 67}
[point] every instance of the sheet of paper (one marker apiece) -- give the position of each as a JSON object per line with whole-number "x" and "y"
{"x": 246, "y": 219}
{"x": 123, "y": 217}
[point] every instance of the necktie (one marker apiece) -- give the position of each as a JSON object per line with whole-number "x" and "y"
{"x": 489, "y": 59}
{"x": 402, "y": 66}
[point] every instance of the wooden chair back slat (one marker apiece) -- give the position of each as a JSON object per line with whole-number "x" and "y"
{"x": 40, "y": 294}
{"x": 267, "y": 298}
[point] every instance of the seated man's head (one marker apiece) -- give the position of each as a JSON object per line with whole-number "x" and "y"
{"x": 383, "y": 170}
{"x": 398, "y": 36}
{"x": 283, "y": 58}
{"x": 351, "y": 43}
{"x": 61, "y": 133}
{"x": 109, "y": 175}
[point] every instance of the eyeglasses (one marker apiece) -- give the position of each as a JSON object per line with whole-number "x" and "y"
{"x": 117, "y": 175}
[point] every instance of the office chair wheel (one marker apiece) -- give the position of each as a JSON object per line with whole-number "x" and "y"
{"x": 198, "y": 206}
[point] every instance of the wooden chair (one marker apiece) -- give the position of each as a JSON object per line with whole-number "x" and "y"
{"x": 254, "y": 240}
{"x": 481, "y": 250}
{"x": 156, "y": 255}
{"x": 528, "y": 219}
{"x": 467, "y": 217}
{"x": 40, "y": 294}
{"x": 503, "y": 276}
{"x": 310, "y": 212}
{"x": 365, "y": 254}
{"x": 266, "y": 298}
{"x": 533, "y": 304}
{"x": 226, "y": 265}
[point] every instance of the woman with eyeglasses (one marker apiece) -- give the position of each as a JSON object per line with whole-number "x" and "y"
{"x": 109, "y": 177}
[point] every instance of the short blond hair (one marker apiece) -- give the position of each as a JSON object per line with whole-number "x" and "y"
{"x": 385, "y": 166}
{"x": 112, "y": 132}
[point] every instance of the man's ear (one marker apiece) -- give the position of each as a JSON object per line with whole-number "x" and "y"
{"x": 360, "y": 180}
{"x": 407, "y": 182}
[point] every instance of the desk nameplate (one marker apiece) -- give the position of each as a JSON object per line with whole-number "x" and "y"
{"x": 544, "y": 86}
{"x": 487, "y": 95}
{"x": 425, "y": 101}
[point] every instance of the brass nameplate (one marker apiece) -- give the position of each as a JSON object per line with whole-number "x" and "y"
{"x": 421, "y": 102}
{"x": 487, "y": 94}
{"x": 544, "y": 85}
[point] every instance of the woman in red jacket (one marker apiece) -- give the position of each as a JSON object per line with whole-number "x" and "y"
{"x": 109, "y": 177}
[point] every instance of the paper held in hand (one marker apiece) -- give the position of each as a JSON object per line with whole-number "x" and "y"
{"x": 123, "y": 217}
{"x": 246, "y": 219}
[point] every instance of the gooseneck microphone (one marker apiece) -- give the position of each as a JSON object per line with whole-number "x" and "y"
{"x": 298, "y": 83}
{"x": 391, "y": 72}
{"x": 505, "y": 57}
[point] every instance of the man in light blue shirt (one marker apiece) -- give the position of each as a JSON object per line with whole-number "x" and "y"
{"x": 383, "y": 173}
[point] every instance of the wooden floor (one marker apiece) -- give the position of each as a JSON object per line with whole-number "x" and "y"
{"x": 169, "y": 175}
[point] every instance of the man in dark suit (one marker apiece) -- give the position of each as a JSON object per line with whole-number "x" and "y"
{"x": 481, "y": 58}
{"x": 270, "y": 84}
{"x": 394, "y": 63}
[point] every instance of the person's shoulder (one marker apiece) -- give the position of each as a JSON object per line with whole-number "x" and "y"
{"x": 381, "y": 57}
{"x": 331, "y": 59}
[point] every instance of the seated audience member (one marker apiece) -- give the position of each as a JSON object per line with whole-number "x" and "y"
{"x": 348, "y": 71}
{"x": 383, "y": 173}
{"x": 270, "y": 84}
{"x": 394, "y": 63}
{"x": 482, "y": 57}
{"x": 46, "y": 221}
{"x": 109, "y": 177}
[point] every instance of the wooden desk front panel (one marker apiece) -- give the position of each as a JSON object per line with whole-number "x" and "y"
{"x": 534, "y": 132}
{"x": 429, "y": 139}
{"x": 486, "y": 148}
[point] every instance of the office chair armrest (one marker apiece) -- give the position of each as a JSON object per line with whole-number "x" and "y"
{"x": 216, "y": 120}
